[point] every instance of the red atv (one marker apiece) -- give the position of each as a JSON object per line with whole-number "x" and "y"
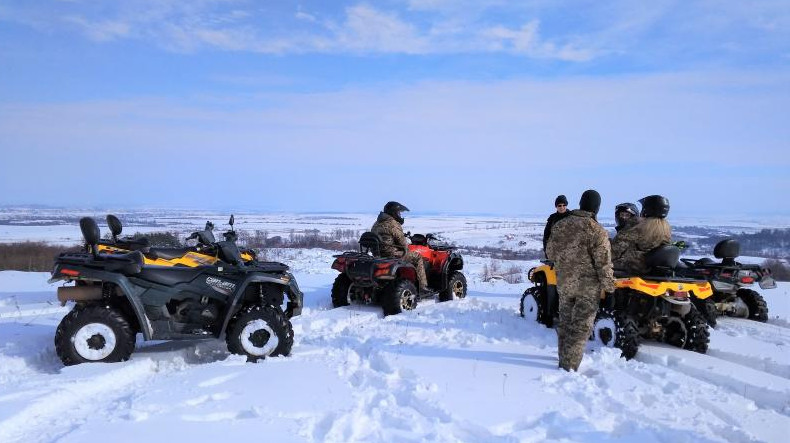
{"x": 366, "y": 277}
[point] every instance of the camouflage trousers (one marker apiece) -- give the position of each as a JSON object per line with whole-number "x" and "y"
{"x": 577, "y": 316}
{"x": 416, "y": 260}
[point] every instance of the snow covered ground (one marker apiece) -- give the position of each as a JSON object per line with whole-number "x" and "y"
{"x": 469, "y": 370}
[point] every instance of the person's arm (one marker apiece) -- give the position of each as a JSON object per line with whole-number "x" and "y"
{"x": 602, "y": 260}
{"x": 398, "y": 237}
{"x": 547, "y": 233}
{"x": 551, "y": 247}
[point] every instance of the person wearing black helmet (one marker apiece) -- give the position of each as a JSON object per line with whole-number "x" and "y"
{"x": 579, "y": 247}
{"x": 561, "y": 203}
{"x": 388, "y": 227}
{"x": 629, "y": 246}
{"x": 626, "y": 215}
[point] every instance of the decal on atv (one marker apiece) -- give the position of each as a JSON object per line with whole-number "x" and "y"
{"x": 221, "y": 286}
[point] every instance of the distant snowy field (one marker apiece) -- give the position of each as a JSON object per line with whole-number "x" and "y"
{"x": 466, "y": 371}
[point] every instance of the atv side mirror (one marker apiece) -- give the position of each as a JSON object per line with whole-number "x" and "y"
{"x": 91, "y": 233}
{"x": 115, "y": 226}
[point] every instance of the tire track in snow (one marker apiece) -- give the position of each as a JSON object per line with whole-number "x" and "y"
{"x": 766, "y": 390}
{"x": 56, "y": 414}
{"x": 390, "y": 403}
{"x": 673, "y": 390}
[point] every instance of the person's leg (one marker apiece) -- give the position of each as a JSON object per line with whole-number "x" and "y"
{"x": 584, "y": 311}
{"x": 416, "y": 260}
{"x": 563, "y": 324}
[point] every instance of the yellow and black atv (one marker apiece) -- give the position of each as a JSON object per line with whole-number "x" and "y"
{"x": 654, "y": 306}
{"x": 202, "y": 254}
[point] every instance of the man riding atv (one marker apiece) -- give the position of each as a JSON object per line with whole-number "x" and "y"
{"x": 388, "y": 227}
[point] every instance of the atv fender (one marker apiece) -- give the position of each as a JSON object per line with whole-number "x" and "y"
{"x": 127, "y": 289}
{"x": 454, "y": 263}
{"x": 234, "y": 306}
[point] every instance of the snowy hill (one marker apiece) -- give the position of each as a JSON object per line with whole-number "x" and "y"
{"x": 469, "y": 370}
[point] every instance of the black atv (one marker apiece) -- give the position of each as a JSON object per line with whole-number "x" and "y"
{"x": 731, "y": 282}
{"x": 367, "y": 278}
{"x": 117, "y": 296}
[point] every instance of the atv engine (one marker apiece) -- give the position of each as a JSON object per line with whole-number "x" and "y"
{"x": 197, "y": 312}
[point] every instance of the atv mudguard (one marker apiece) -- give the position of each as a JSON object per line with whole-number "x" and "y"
{"x": 455, "y": 262}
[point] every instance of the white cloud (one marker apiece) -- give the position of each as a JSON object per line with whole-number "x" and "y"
{"x": 368, "y": 29}
{"x": 101, "y": 31}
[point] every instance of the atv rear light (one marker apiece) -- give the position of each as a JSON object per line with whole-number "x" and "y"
{"x": 70, "y": 272}
{"x": 678, "y": 295}
{"x": 747, "y": 280}
{"x": 382, "y": 269}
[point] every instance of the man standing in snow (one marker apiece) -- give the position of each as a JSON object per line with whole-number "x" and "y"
{"x": 561, "y": 203}
{"x": 388, "y": 227}
{"x": 579, "y": 247}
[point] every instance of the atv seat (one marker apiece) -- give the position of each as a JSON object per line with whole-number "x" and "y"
{"x": 662, "y": 260}
{"x": 129, "y": 264}
{"x": 370, "y": 242}
{"x": 168, "y": 253}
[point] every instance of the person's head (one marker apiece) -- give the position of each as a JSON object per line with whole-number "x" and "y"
{"x": 654, "y": 206}
{"x": 394, "y": 209}
{"x": 590, "y": 201}
{"x": 561, "y": 203}
{"x": 626, "y": 214}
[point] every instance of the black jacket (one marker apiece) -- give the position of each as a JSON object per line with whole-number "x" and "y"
{"x": 553, "y": 218}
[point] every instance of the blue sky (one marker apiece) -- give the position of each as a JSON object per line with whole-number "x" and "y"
{"x": 449, "y": 106}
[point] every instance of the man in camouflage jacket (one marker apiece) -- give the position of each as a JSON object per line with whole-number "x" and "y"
{"x": 388, "y": 227}
{"x": 579, "y": 247}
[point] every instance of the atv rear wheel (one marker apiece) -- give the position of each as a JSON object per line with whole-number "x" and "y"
{"x": 617, "y": 331}
{"x": 758, "y": 309}
{"x": 698, "y": 336}
{"x": 531, "y": 306}
{"x": 456, "y": 287}
{"x": 94, "y": 334}
{"x": 399, "y": 296}
{"x": 707, "y": 308}
{"x": 340, "y": 291}
{"x": 259, "y": 332}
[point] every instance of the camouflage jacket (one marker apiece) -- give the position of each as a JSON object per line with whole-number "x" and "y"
{"x": 629, "y": 247}
{"x": 579, "y": 247}
{"x": 391, "y": 234}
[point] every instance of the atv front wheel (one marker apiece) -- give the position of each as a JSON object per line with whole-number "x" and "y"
{"x": 259, "y": 332}
{"x": 617, "y": 331}
{"x": 399, "y": 296}
{"x": 456, "y": 287}
{"x": 94, "y": 334}
{"x": 698, "y": 336}
{"x": 708, "y": 309}
{"x": 340, "y": 291}
{"x": 758, "y": 309}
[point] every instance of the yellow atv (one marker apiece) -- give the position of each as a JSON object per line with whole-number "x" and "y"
{"x": 655, "y": 306}
{"x": 204, "y": 253}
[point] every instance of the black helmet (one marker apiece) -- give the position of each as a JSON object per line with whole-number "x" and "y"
{"x": 394, "y": 209}
{"x": 625, "y": 208}
{"x": 655, "y": 206}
